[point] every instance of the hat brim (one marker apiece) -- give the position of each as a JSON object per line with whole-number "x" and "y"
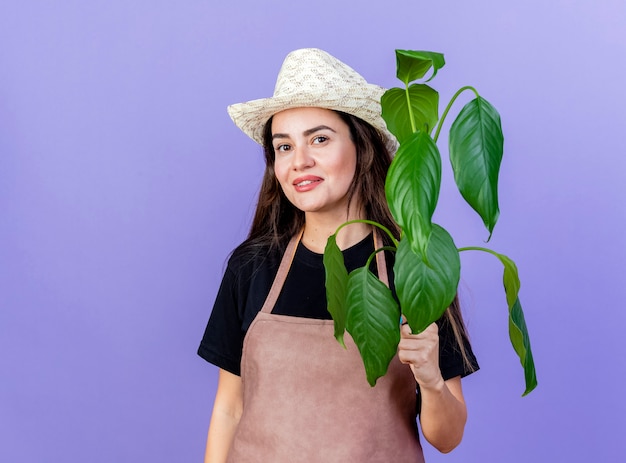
{"x": 362, "y": 102}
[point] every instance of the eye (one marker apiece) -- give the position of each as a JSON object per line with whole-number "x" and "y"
{"x": 282, "y": 148}
{"x": 319, "y": 139}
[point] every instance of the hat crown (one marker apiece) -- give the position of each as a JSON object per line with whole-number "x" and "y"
{"x": 310, "y": 77}
{"x": 313, "y": 70}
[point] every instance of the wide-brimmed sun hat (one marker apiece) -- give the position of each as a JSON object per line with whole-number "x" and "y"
{"x": 312, "y": 78}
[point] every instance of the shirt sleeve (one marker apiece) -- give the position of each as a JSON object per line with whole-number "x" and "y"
{"x": 222, "y": 342}
{"x": 451, "y": 362}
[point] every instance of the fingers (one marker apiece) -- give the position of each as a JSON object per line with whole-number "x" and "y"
{"x": 418, "y": 349}
{"x": 405, "y": 330}
{"x": 430, "y": 331}
{"x": 421, "y": 352}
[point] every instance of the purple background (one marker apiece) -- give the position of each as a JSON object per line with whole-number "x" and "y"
{"x": 124, "y": 185}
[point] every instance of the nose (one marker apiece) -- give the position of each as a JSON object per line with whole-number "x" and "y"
{"x": 302, "y": 158}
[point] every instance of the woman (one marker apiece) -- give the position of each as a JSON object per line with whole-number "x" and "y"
{"x": 287, "y": 390}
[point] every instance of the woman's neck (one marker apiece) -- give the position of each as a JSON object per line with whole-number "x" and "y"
{"x": 318, "y": 227}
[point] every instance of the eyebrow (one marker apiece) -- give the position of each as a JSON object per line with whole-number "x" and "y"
{"x": 306, "y": 133}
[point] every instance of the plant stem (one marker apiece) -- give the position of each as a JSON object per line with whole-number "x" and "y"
{"x": 408, "y": 103}
{"x": 445, "y": 113}
{"x": 376, "y": 251}
{"x": 477, "y": 248}
{"x": 370, "y": 222}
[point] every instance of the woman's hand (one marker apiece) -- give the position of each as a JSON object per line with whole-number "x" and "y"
{"x": 421, "y": 353}
{"x": 443, "y": 412}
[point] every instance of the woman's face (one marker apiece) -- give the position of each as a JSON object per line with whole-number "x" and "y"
{"x": 315, "y": 159}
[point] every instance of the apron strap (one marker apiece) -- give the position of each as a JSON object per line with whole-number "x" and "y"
{"x": 279, "y": 280}
{"x": 381, "y": 263}
{"x": 287, "y": 259}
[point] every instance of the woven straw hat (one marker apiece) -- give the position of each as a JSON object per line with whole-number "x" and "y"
{"x": 312, "y": 78}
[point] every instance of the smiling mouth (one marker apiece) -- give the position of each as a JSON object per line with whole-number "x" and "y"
{"x": 306, "y": 182}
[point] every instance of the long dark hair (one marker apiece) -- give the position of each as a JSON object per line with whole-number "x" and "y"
{"x": 276, "y": 220}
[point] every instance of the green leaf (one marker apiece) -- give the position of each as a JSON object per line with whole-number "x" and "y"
{"x": 412, "y": 64}
{"x": 518, "y": 332}
{"x": 412, "y": 189}
{"x": 372, "y": 321}
{"x": 476, "y": 147}
{"x": 426, "y": 291}
{"x": 406, "y": 111}
{"x": 510, "y": 278}
{"x": 336, "y": 286}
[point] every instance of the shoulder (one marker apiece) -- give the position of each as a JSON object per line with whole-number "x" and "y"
{"x": 248, "y": 260}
